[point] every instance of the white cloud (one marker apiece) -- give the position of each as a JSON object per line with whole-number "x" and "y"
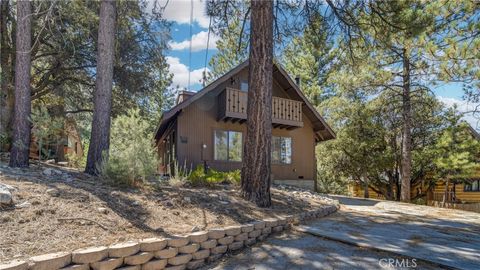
{"x": 179, "y": 11}
{"x": 463, "y": 106}
{"x": 180, "y": 73}
{"x": 199, "y": 42}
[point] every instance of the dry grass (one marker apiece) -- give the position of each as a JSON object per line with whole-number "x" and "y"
{"x": 68, "y": 216}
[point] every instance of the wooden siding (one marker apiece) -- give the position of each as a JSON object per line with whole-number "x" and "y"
{"x": 357, "y": 190}
{"x": 460, "y": 194}
{"x": 197, "y": 123}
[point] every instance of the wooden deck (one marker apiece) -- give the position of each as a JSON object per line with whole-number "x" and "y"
{"x": 286, "y": 113}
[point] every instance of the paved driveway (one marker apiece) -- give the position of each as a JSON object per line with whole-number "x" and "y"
{"x": 295, "y": 251}
{"x": 445, "y": 236}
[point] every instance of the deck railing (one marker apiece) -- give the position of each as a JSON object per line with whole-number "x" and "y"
{"x": 285, "y": 112}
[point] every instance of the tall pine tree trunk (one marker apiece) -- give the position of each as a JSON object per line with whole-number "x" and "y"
{"x": 100, "y": 136}
{"x": 406, "y": 131}
{"x": 7, "y": 96}
{"x": 256, "y": 169}
{"x": 21, "y": 124}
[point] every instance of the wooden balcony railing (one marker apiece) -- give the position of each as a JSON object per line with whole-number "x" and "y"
{"x": 286, "y": 113}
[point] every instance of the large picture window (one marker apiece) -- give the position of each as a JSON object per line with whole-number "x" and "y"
{"x": 281, "y": 150}
{"x": 228, "y": 145}
{"x": 472, "y": 186}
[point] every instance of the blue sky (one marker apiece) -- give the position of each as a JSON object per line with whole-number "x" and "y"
{"x": 178, "y": 12}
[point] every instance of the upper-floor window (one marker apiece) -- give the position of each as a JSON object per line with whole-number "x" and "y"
{"x": 228, "y": 145}
{"x": 281, "y": 150}
{"x": 244, "y": 86}
{"x": 472, "y": 186}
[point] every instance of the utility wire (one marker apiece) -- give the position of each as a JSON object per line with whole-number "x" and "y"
{"x": 206, "y": 54}
{"x": 190, "y": 50}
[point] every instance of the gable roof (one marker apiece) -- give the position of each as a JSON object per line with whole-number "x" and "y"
{"x": 321, "y": 128}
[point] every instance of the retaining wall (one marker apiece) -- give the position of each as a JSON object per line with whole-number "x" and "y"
{"x": 177, "y": 252}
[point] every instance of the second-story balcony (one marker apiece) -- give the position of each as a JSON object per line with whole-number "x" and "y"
{"x": 286, "y": 113}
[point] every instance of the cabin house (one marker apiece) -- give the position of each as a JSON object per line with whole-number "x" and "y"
{"x": 208, "y": 128}
{"x": 460, "y": 193}
{"x": 59, "y": 149}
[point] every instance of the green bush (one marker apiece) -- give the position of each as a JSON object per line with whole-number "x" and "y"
{"x": 198, "y": 177}
{"x": 132, "y": 156}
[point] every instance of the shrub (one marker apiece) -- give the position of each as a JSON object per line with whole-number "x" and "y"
{"x": 46, "y": 129}
{"x": 132, "y": 156}
{"x": 212, "y": 177}
{"x": 180, "y": 175}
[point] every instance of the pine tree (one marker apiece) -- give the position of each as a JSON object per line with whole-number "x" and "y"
{"x": 21, "y": 124}
{"x": 100, "y": 138}
{"x": 256, "y": 166}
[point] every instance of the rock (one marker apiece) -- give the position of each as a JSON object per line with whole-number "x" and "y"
{"x": 270, "y": 222}
{"x": 132, "y": 267}
{"x": 138, "y": 259}
{"x": 180, "y": 259}
{"x": 5, "y": 197}
{"x": 235, "y": 245}
{"x": 241, "y": 237}
{"x": 123, "y": 249}
{"x": 250, "y": 241}
{"x": 224, "y": 202}
{"x": 201, "y": 254}
{"x": 47, "y": 172}
{"x": 195, "y": 264}
{"x": 76, "y": 267}
{"x": 259, "y": 225}
{"x": 219, "y": 249}
{"x": 187, "y": 199}
{"x": 14, "y": 265}
{"x": 52, "y": 192}
{"x": 198, "y": 237}
{"x": 51, "y": 261}
{"x": 6, "y": 194}
{"x": 153, "y": 244}
{"x": 216, "y": 233}
{"x": 188, "y": 249}
{"x": 107, "y": 264}
{"x": 89, "y": 255}
{"x": 267, "y": 230}
{"x": 63, "y": 163}
{"x": 255, "y": 233}
{"x": 247, "y": 228}
{"x": 178, "y": 241}
{"x": 233, "y": 230}
{"x": 154, "y": 265}
{"x": 226, "y": 240}
{"x": 208, "y": 244}
{"x": 102, "y": 210}
{"x": 277, "y": 229}
{"x": 214, "y": 257}
{"x": 166, "y": 253}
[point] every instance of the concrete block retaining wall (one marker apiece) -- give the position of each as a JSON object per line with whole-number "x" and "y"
{"x": 177, "y": 252}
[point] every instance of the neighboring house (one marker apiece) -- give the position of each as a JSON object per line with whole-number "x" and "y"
{"x": 208, "y": 127}
{"x": 70, "y": 144}
{"x": 460, "y": 192}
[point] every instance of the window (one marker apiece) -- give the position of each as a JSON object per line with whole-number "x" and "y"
{"x": 228, "y": 145}
{"x": 472, "y": 186}
{"x": 281, "y": 150}
{"x": 244, "y": 86}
